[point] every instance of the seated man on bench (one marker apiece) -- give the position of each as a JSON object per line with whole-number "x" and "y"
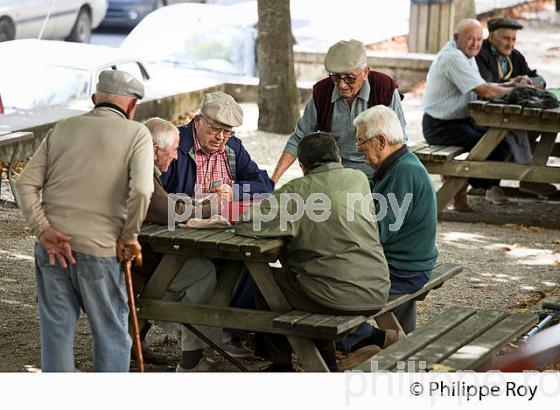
{"x": 408, "y": 233}
{"x": 335, "y": 264}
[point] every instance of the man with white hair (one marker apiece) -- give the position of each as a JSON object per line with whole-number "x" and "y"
{"x": 84, "y": 214}
{"x": 350, "y": 89}
{"x": 196, "y": 280}
{"x": 408, "y": 239}
{"x": 452, "y": 82}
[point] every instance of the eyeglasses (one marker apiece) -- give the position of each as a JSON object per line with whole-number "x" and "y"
{"x": 348, "y": 79}
{"x": 215, "y": 130}
{"x": 361, "y": 144}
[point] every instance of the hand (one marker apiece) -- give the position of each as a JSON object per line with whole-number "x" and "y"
{"x": 57, "y": 246}
{"x": 522, "y": 81}
{"x": 128, "y": 249}
{"x": 224, "y": 192}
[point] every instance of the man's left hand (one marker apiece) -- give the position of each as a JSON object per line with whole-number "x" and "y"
{"x": 224, "y": 192}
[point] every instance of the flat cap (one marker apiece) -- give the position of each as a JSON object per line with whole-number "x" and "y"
{"x": 345, "y": 56}
{"x": 503, "y": 22}
{"x": 222, "y": 108}
{"x": 120, "y": 83}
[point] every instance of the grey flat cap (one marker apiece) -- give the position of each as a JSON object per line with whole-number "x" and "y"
{"x": 345, "y": 56}
{"x": 120, "y": 83}
{"x": 503, "y": 22}
{"x": 222, "y": 108}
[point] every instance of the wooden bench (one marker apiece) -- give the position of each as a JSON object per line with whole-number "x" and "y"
{"x": 461, "y": 338}
{"x": 14, "y": 138}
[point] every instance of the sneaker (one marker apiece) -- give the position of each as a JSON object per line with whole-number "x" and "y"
{"x": 358, "y": 357}
{"x": 537, "y": 188}
{"x": 391, "y": 336}
{"x": 202, "y": 366}
{"x": 496, "y": 195}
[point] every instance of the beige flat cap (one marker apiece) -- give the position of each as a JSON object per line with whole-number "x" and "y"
{"x": 120, "y": 83}
{"x": 345, "y": 56}
{"x": 222, "y": 108}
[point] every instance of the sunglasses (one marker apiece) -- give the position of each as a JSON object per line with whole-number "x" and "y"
{"x": 348, "y": 79}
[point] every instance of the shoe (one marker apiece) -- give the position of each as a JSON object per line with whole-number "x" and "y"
{"x": 237, "y": 352}
{"x": 358, "y": 357}
{"x": 202, "y": 366}
{"x": 477, "y": 191}
{"x": 391, "y": 336}
{"x": 152, "y": 357}
{"x": 460, "y": 203}
{"x": 537, "y": 188}
{"x": 496, "y": 195}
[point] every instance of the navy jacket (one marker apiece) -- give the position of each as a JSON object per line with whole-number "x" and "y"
{"x": 181, "y": 175}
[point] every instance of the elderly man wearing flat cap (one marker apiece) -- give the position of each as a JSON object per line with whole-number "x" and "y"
{"x": 211, "y": 159}
{"x": 499, "y": 62}
{"x": 85, "y": 194}
{"x": 337, "y": 100}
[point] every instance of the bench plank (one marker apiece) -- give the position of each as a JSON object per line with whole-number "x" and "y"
{"x": 480, "y": 350}
{"x": 457, "y": 337}
{"x": 417, "y": 340}
{"x": 447, "y": 153}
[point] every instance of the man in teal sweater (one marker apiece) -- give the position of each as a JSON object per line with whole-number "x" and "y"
{"x": 405, "y": 203}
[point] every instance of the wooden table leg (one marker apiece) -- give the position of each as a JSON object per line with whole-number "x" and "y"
{"x": 163, "y": 276}
{"x": 543, "y": 149}
{"x": 306, "y": 350}
{"x": 481, "y": 151}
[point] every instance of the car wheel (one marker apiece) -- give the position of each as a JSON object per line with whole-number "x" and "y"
{"x": 7, "y": 31}
{"x": 81, "y": 32}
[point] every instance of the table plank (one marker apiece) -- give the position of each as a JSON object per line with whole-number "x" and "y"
{"x": 213, "y": 241}
{"x": 513, "y": 109}
{"x": 532, "y": 112}
{"x": 494, "y": 108}
{"x": 406, "y": 347}
{"x": 469, "y": 356}
{"x": 551, "y": 113}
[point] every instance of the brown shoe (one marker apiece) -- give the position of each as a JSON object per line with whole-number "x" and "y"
{"x": 358, "y": 357}
{"x": 152, "y": 357}
{"x": 460, "y": 203}
{"x": 391, "y": 336}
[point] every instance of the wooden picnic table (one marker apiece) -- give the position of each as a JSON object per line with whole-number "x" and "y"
{"x": 500, "y": 119}
{"x": 255, "y": 254}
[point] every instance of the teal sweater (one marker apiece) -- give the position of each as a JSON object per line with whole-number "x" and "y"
{"x": 412, "y": 247}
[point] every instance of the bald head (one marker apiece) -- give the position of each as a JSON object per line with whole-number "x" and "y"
{"x": 468, "y": 37}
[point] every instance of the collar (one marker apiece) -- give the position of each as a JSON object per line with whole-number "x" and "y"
{"x": 329, "y": 166}
{"x": 496, "y": 53}
{"x": 157, "y": 171}
{"x": 388, "y": 163}
{"x": 113, "y": 107}
{"x": 363, "y": 93}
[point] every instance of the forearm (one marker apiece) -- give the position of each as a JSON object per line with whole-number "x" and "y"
{"x": 286, "y": 159}
{"x": 491, "y": 90}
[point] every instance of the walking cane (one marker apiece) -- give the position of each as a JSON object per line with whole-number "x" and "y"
{"x": 132, "y": 306}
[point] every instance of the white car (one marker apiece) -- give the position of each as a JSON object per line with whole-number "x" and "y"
{"x": 72, "y": 20}
{"x": 39, "y": 73}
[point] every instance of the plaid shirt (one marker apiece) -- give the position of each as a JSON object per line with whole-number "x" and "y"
{"x": 210, "y": 167}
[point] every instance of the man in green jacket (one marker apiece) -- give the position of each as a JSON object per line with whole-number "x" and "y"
{"x": 335, "y": 263}
{"x": 402, "y": 188}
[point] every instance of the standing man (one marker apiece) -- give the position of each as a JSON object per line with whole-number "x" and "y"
{"x": 452, "y": 82}
{"x": 409, "y": 239}
{"x": 211, "y": 159}
{"x": 350, "y": 89}
{"x": 85, "y": 194}
{"x": 500, "y": 62}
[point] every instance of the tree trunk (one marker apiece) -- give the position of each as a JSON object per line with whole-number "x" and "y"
{"x": 278, "y": 94}
{"x": 464, "y": 9}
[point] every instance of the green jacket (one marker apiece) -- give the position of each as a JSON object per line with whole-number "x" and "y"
{"x": 339, "y": 261}
{"x": 411, "y": 247}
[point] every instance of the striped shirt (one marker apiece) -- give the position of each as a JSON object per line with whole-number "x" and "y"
{"x": 210, "y": 167}
{"x": 342, "y": 127}
{"x": 451, "y": 79}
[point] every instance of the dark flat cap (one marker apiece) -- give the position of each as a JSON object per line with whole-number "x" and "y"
{"x": 503, "y": 22}
{"x": 120, "y": 83}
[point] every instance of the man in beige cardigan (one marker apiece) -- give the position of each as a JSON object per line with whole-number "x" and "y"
{"x": 85, "y": 194}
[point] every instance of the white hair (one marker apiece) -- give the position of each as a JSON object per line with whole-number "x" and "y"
{"x": 163, "y": 132}
{"x": 381, "y": 120}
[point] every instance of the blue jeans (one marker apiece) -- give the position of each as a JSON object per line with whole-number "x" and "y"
{"x": 95, "y": 284}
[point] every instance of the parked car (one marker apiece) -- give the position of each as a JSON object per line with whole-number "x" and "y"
{"x": 128, "y": 13}
{"x": 197, "y": 36}
{"x": 72, "y": 20}
{"x": 36, "y": 73}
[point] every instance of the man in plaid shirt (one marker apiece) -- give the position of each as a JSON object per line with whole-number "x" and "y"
{"x": 211, "y": 158}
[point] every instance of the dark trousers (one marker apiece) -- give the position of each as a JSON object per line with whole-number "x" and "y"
{"x": 277, "y": 348}
{"x": 465, "y": 133}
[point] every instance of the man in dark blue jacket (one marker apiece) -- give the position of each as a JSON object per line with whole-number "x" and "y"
{"x": 211, "y": 159}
